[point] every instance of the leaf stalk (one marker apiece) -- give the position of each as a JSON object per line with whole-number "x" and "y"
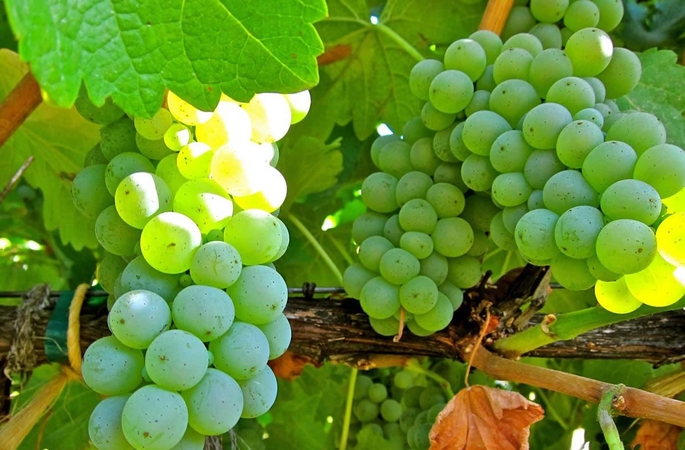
{"x": 570, "y": 325}
{"x": 315, "y": 243}
{"x": 347, "y": 418}
{"x": 604, "y": 416}
{"x": 399, "y": 40}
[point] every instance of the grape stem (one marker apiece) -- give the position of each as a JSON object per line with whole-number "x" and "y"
{"x": 568, "y": 326}
{"x": 400, "y": 328}
{"x": 348, "y": 409}
{"x": 612, "y": 396}
{"x": 479, "y": 341}
{"x": 630, "y": 402}
{"x": 18, "y": 105}
{"x": 549, "y": 409}
{"x": 317, "y": 246}
{"x": 495, "y": 15}
{"x": 16, "y": 177}
{"x": 389, "y": 32}
{"x": 414, "y": 366}
{"x": 343, "y": 252}
{"x": 399, "y": 40}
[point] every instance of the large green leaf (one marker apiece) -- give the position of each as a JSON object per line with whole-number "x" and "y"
{"x": 655, "y": 23}
{"x": 563, "y": 301}
{"x": 356, "y": 166}
{"x": 65, "y": 425}
{"x": 6, "y": 36}
{"x": 59, "y": 140}
{"x": 21, "y": 270}
{"x": 368, "y": 81}
{"x": 562, "y": 413}
{"x": 661, "y": 91}
{"x": 308, "y": 166}
{"x": 303, "y": 262}
{"x": 303, "y": 408}
{"x": 132, "y": 50}
{"x": 29, "y": 254}
{"x": 630, "y": 373}
{"x": 368, "y": 439}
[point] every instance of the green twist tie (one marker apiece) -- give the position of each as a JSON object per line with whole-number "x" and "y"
{"x": 56, "y": 332}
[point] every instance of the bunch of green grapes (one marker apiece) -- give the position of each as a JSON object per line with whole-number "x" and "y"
{"x": 184, "y": 205}
{"x": 527, "y": 129}
{"x": 400, "y": 405}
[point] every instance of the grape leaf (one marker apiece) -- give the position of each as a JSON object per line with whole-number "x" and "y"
{"x": 365, "y": 71}
{"x": 487, "y": 418}
{"x": 630, "y": 373}
{"x": 661, "y": 91}
{"x": 303, "y": 262}
{"x": 300, "y": 415}
{"x": 563, "y": 413}
{"x": 308, "y": 166}
{"x": 6, "y": 37}
{"x": 551, "y": 436}
{"x": 21, "y": 270}
{"x": 563, "y": 301}
{"x": 66, "y": 424}
{"x": 652, "y": 24}
{"x": 655, "y": 435}
{"x": 368, "y": 439}
{"x": 328, "y": 176}
{"x": 59, "y": 140}
{"x": 356, "y": 165}
{"x": 133, "y": 50}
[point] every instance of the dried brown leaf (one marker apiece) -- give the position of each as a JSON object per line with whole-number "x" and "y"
{"x": 483, "y": 418}
{"x": 654, "y": 435}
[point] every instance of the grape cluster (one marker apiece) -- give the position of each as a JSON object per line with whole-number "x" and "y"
{"x": 183, "y": 204}
{"x": 529, "y": 131}
{"x": 399, "y": 405}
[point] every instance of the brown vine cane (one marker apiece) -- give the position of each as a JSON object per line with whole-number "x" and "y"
{"x": 495, "y": 15}
{"x": 20, "y": 425}
{"x": 18, "y": 106}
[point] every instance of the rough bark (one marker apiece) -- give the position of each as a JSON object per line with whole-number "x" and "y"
{"x": 338, "y": 330}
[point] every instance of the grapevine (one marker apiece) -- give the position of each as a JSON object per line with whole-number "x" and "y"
{"x": 479, "y": 195}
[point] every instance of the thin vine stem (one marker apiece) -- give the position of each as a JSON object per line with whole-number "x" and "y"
{"x": 341, "y": 249}
{"x": 479, "y": 341}
{"x": 605, "y": 419}
{"x": 16, "y": 177}
{"x": 399, "y": 40}
{"x": 389, "y": 32}
{"x": 549, "y": 408}
{"x": 347, "y": 418}
{"x": 317, "y": 246}
{"x": 493, "y": 253}
{"x": 414, "y": 366}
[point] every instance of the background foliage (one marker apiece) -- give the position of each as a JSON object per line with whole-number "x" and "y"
{"x": 270, "y": 45}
